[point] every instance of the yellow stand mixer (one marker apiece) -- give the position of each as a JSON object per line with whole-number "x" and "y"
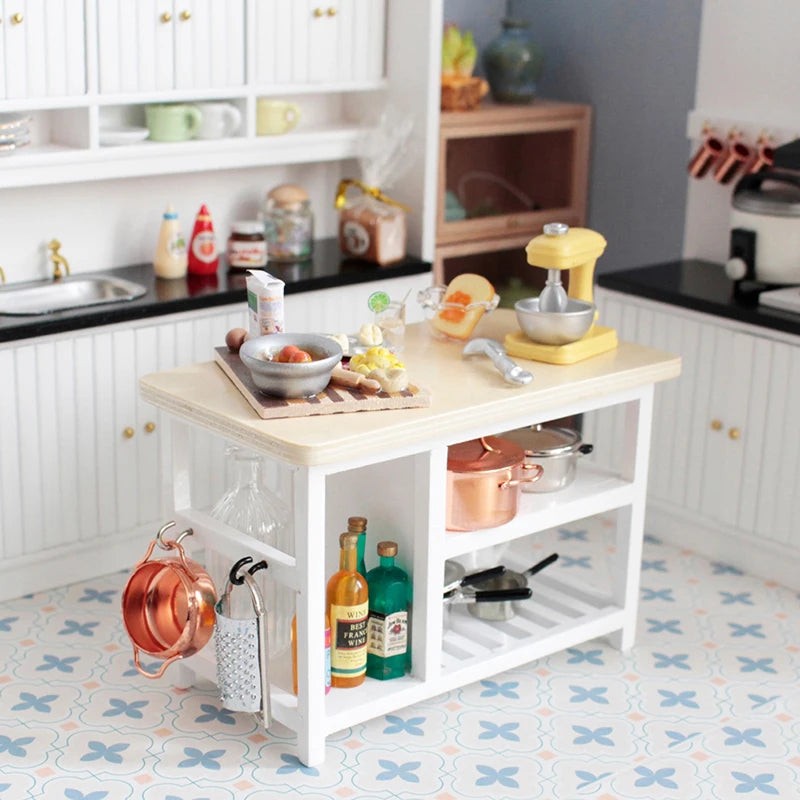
{"x": 558, "y": 327}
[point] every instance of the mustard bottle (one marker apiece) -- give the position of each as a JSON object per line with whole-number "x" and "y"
{"x": 171, "y": 259}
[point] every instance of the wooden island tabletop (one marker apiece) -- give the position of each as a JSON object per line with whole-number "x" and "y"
{"x": 465, "y": 393}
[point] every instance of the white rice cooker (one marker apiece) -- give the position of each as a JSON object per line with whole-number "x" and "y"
{"x": 765, "y": 228}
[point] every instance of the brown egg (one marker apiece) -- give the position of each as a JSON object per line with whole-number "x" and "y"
{"x": 235, "y": 338}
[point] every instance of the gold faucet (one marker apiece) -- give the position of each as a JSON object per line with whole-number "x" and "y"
{"x": 58, "y": 260}
{"x": 2, "y": 275}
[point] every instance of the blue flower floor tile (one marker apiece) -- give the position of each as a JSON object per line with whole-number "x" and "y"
{"x": 705, "y": 705}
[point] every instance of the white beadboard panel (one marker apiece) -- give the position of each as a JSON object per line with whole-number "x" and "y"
{"x": 702, "y": 414}
{"x": 754, "y": 431}
{"x": 16, "y": 48}
{"x": 267, "y": 41}
{"x": 148, "y": 351}
{"x": 87, "y": 433}
{"x": 27, "y": 390}
{"x": 67, "y": 411}
{"x": 375, "y": 45}
{"x": 662, "y": 431}
{"x": 301, "y": 35}
{"x": 106, "y": 439}
{"x": 231, "y": 69}
{"x": 2, "y": 66}
{"x": 722, "y": 475}
{"x": 108, "y": 50}
{"x": 11, "y": 533}
{"x": 49, "y": 441}
{"x": 36, "y": 55}
{"x": 127, "y": 40}
{"x": 781, "y": 464}
{"x": 192, "y": 43}
{"x": 125, "y": 393}
{"x": 348, "y": 54}
{"x": 56, "y": 45}
{"x": 76, "y": 52}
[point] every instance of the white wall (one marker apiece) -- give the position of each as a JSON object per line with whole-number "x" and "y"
{"x": 748, "y": 73}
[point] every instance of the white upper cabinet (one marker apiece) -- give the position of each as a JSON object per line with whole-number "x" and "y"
{"x": 310, "y": 42}
{"x": 159, "y": 45}
{"x": 42, "y": 49}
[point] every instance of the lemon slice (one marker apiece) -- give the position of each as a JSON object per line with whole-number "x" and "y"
{"x": 378, "y": 301}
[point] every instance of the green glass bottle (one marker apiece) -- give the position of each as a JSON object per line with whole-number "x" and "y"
{"x": 388, "y": 642}
{"x": 359, "y": 525}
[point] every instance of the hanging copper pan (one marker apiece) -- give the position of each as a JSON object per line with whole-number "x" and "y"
{"x": 168, "y": 605}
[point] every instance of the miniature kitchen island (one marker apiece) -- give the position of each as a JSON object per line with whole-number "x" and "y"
{"x": 391, "y": 467}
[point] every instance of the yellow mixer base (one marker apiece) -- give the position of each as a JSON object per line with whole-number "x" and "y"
{"x": 598, "y": 340}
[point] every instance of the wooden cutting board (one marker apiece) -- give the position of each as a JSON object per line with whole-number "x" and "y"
{"x": 334, "y": 400}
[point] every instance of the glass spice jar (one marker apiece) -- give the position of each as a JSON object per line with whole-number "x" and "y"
{"x": 288, "y": 224}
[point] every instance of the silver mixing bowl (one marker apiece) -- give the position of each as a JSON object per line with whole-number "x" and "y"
{"x": 558, "y": 327}
{"x": 279, "y": 379}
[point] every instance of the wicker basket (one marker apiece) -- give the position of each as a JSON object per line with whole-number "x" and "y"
{"x": 463, "y": 94}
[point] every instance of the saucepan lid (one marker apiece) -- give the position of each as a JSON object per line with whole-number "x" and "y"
{"x": 773, "y": 193}
{"x": 486, "y": 454}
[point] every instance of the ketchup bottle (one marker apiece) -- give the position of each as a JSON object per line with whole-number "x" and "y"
{"x": 203, "y": 253}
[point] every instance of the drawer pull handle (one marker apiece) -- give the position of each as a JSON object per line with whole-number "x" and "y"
{"x": 128, "y": 432}
{"x": 331, "y": 12}
{"x": 734, "y": 433}
{"x": 186, "y": 15}
{"x": 150, "y": 427}
{"x": 17, "y": 18}
{"x": 318, "y": 12}
{"x": 716, "y": 425}
{"x": 166, "y": 17}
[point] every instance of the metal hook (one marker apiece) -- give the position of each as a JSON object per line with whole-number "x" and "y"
{"x": 258, "y": 566}
{"x": 170, "y": 544}
{"x": 233, "y": 577}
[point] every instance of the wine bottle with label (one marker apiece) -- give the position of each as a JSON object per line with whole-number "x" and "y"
{"x": 388, "y": 644}
{"x": 348, "y": 608}
{"x": 358, "y": 525}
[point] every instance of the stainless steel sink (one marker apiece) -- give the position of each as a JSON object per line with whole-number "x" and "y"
{"x": 45, "y": 297}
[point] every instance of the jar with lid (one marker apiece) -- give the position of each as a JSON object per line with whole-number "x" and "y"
{"x": 288, "y": 224}
{"x": 247, "y": 247}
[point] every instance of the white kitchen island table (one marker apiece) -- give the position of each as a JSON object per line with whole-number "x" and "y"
{"x": 390, "y": 466}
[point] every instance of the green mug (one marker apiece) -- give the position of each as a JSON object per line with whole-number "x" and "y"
{"x": 172, "y": 122}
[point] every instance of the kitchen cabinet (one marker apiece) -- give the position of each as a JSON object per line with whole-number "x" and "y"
{"x": 313, "y": 43}
{"x": 724, "y": 465}
{"x": 390, "y": 466}
{"x": 74, "y": 431}
{"x": 42, "y": 49}
{"x": 509, "y": 169}
{"x": 181, "y": 51}
{"x": 156, "y": 45}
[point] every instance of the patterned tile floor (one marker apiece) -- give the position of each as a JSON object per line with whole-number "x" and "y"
{"x": 707, "y": 705}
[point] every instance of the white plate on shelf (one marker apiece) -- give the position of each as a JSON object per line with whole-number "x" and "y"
{"x": 110, "y": 137}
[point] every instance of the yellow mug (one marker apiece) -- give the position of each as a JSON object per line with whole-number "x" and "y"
{"x": 275, "y": 116}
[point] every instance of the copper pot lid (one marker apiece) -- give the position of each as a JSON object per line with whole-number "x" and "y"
{"x": 487, "y": 454}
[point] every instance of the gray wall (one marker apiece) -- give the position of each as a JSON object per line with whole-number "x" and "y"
{"x": 635, "y": 62}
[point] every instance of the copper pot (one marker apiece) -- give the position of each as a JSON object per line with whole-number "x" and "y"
{"x": 168, "y": 605}
{"x": 484, "y": 477}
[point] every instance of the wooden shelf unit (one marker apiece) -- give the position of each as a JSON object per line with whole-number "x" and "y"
{"x": 524, "y": 165}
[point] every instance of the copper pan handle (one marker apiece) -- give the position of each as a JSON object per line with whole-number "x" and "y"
{"x": 517, "y": 481}
{"x": 153, "y": 675}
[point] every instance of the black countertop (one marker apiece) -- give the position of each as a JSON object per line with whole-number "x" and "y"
{"x": 327, "y": 269}
{"x": 700, "y": 286}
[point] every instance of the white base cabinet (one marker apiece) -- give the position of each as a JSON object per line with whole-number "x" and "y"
{"x": 81, "y": 453}
{"x": 724, "y": 468}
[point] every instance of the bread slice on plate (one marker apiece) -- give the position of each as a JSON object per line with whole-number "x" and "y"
{"x": 463, "y": 290}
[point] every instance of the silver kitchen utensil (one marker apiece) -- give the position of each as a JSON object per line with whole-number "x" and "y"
{"x": 242, "y": 648}
{"x": 553, "y": 298}
{"x": 509, "y": 369}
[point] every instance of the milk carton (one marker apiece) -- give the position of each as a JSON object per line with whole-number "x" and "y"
{"x": 264, "y": 302}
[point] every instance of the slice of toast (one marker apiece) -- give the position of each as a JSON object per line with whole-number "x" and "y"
{"x": 462, "y": 290}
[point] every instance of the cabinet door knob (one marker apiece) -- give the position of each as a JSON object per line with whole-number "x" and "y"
{"x": 716, "y": 425}
{"x": 17, "y": 18}
{"x": 128, "y": 432}
{"x": 331, "y": 12}
{"x": 166, "y": 17}
{"x": 186, "y": 15}
{"x": 149, "y": 427}
{"x": 734, "y": 433}
{"x": 318, "y": 12}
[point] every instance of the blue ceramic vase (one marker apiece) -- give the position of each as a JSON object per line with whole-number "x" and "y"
{"x": 513, "y": 63}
